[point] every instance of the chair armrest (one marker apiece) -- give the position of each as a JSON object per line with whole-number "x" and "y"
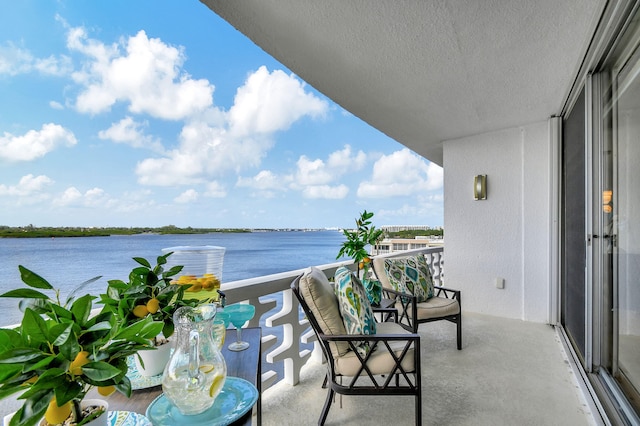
{"x": 449, "y": 293}
{"x": 387, "y": 308}
{"x": 409, "y": 304}
{"x": 369, "y": 337}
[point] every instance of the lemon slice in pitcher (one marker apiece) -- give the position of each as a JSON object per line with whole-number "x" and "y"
{"x": 216, "y": 385}
{"x": 207, "y": 368}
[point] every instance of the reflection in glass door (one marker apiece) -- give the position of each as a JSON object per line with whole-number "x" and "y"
{"x": 626, "y": 221}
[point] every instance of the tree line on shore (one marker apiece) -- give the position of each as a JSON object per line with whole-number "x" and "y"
{"x": 52, "y": 232}
{"x": 31, "y": 231}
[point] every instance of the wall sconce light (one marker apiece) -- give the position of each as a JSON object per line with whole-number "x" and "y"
{"x": 480, "y": 187}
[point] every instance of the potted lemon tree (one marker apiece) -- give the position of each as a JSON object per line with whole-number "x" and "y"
{"x": 149, "y": 293}
{"x": 61, "y": 350}
{"x": 355, "y": 247}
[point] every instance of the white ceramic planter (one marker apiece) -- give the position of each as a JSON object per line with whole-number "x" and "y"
{"x": 154, "y": 360}
{"x": 103, "y": 420}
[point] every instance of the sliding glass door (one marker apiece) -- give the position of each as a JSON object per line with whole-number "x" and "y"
{"x": 625, "y": 220}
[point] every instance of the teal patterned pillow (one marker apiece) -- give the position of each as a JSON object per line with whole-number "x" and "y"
{"x": 410, "y": 275}
{"x": 354, "y": 306}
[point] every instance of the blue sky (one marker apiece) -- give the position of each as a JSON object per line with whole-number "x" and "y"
{"x": 140, "y": 113}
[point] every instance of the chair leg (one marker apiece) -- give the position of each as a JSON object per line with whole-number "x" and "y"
{"x": 459, "y": 330}
{"x": 327, "y": 406}
{"x": 418, "y": 409}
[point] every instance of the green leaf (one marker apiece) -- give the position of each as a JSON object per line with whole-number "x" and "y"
{"x": 25, "y": 293}
{"x": 124, "y": 386}
{"x": 61, "y": 312}
{"x": 47, "y": 381}
{"x": 101, "y": 326}
{"x": 116, "y": 283}
{"x": 70, "y": 348}
{"x": 168, "y": 328}
{"x": 142, "y": 261}
{"x": 7, "y": 339}
{"x": 32, "y": 410}
{"x": 20, "y": 355}
{"x": 33, "y": 280}
{"x": 80, "y": 287}
{"x": 9, "y": 390}
{"x": 66, "y": 393}
{"x": 60, "y": 333}
{"x": 100, "y": 371}
{"x": 7, "y": 371}
{"x": 173, "y": 271}
{"x": 44, "y": 362}
{"x": 81, "y": 308}
{"x": 34, "y": 327}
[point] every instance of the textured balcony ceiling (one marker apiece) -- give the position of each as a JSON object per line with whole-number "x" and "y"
{"x": 427, "y": 71}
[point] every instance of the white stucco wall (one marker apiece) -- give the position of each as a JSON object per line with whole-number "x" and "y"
{"x": 506, "y": 236}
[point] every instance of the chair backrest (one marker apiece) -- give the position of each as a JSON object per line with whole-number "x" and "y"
{"x": 320, "y": 304}
{"x": 380, "y": 271}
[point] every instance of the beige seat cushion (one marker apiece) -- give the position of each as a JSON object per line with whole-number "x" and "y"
{"x": 317, "y": 291}
{"x": 381, "y": 361}
{"x": 436, "y": 307}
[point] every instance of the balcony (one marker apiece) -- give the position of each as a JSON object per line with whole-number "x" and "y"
{"x": 509, "y": 371}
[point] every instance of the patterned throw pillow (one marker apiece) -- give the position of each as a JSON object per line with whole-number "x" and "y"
{"x": 410, "y": 275}
{"x": 354, "y": 306}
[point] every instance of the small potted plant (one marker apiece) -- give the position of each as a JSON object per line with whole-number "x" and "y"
{"x": 149, "y": 293}
{"x": 355, "y": 247}
{"x": 61, "y": 350}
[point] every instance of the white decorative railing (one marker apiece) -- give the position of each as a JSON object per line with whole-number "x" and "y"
{"x": 265, "y": 291}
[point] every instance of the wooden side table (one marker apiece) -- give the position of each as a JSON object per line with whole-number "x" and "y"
{"x": 245, "y": 364}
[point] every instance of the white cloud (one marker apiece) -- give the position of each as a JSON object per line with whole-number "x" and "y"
{"x": 347, "y": 161}
{"x": 339, "y": 163}
{"x": 215, "y": 190}
{"x": 56, "y": 105}
{"x": 94, "y": 197}
{"x": 131, "y": 132}
{"x": 264, "y": 180}
{"x": 325, "y": 191}
{"x": 27, "y": 186}
{"x": 270, "y": 102}
{"x": 188, "y": 196}
{"x": 15, "y": 61}
{"x": 312, "y": 172}
{"x": 314, "y": 178}
{"x": 401, "y": 173}
{"x": 35, "y": 144}
{"x": 143, "y": 72}
{"x": 208, "y": 148}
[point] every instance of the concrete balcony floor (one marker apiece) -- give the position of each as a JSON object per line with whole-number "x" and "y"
{"x": 509, "y": 372}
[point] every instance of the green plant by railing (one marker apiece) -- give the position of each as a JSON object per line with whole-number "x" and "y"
{"x": 364, "y": 235}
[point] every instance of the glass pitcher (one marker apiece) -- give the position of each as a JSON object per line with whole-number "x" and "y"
{"x": 196, "y": 371}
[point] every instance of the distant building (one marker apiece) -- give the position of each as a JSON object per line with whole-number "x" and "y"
{"x": 390, "y": 245}
{"x": 398, "y": 228}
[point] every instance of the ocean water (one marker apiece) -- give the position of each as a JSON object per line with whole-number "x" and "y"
{"x": 67, "y": 262}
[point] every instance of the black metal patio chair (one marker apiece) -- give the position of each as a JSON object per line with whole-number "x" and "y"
{"x": 390, "y": 367}
{"x": 446, "y": 303}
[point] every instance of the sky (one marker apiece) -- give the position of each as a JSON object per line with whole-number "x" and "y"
{"x": 138, "y": 113}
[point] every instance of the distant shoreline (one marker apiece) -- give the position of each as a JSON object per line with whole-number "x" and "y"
{"x": 63, "y": 232}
